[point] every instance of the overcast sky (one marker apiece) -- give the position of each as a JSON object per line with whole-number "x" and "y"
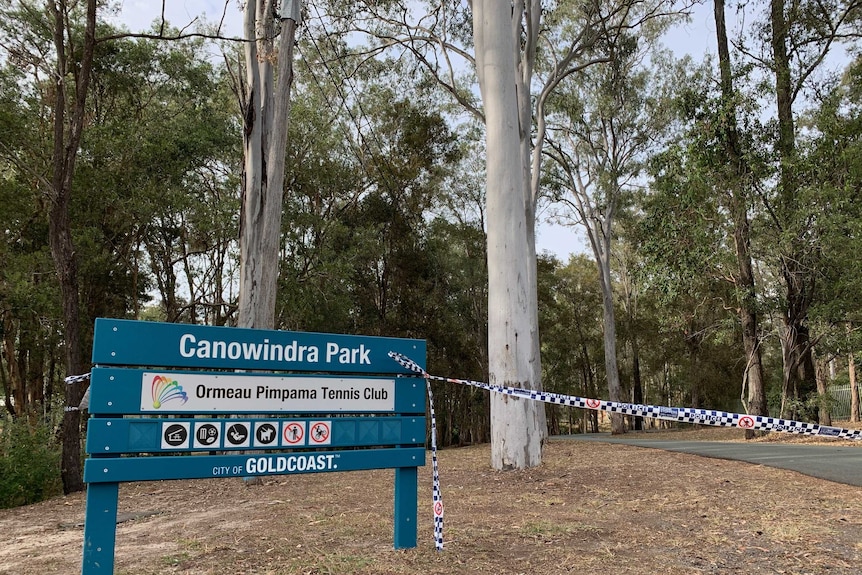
{"x": 695, "y": 38}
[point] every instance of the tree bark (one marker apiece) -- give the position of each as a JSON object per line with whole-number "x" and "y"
{"x": 609, "y": 331}
{"x": 738, "y": 192}
{"x": 260, "y": 218}
{"x": 67, "y": 140}
{"x": 266, "y": 118}
{"x": 799, "y": 376}
{"x": 517, "y": 425}
{"x": 854, "y": 388}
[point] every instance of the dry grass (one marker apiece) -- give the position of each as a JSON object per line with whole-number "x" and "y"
{"x": 591, "y": 508}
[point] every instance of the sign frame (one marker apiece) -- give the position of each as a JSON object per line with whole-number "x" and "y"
{"x": 356, "y": 423}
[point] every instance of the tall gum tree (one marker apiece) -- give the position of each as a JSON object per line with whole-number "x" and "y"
{"x": 517, "y": 426}
{"x": 738, "y": 200}
{"x": 605, "y": 121}
{"x": 74, "y": 63}
{"x": 799, "y": 36}
{"x": 266, "y": 112}
{"x": 453, "y": 44}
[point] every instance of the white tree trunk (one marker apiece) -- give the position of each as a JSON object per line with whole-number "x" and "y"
{"x": 264, "y": 142}
{"x": 517, "y": 426}
{"x": 609, "y": 331}
{"x": 267, "y": 112}
{"x": 598, "y": 229}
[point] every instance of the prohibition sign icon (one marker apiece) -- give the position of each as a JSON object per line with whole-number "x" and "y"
{"x": 593, "y": 403}
{"x": 438, "y": 509}
{"x": 293, "y": 433}
{"x": 746, "y": 422}
{"x": 319, "y": 433}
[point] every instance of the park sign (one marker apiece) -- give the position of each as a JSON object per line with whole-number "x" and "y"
{"x": 127, "y": 342}
{"x": 167, "y": 403}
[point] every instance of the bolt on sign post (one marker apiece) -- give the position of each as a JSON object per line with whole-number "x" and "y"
{"x": 339, "y": 393}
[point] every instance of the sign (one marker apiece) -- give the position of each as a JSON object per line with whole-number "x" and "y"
{"x": 237, "y": 434}
{"x": 157, "y": 388}
{"x": 265, "y": 434}
{"x": 184, "y": 392}
{"x": 746, "y": 422}
{"x": 207, "y": 436}
{"x": 293, "y": 434}
{"x": 153, "y": 435}
{"x": 235, "y": 465}
{"x": 146, "y": 343}
{"x": 319, "y": 433}
{"x": 175, "y": 435}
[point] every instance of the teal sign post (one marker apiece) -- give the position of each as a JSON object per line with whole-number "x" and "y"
{"x": 323, "y": 403}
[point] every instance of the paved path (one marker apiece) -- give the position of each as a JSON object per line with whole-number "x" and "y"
{"x": 839, "y": 464}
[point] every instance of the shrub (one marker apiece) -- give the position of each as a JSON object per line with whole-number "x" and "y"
{"x": 29, "y": 463}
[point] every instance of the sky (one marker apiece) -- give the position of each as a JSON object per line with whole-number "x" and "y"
{"x": 695, "y": 38}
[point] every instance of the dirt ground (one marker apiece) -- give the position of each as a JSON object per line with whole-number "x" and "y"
{"x": 590, "y": 508}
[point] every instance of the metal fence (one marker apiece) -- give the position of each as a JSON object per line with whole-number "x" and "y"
{"x": 840, "y": 401}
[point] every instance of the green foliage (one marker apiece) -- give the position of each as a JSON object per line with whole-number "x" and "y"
{"x": 570, "y": 320}
{"x": 831, "y": 175}
{"x": 29, "y": 463}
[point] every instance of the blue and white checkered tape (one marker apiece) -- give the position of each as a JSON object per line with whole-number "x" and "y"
{"x": 678, "y": 414}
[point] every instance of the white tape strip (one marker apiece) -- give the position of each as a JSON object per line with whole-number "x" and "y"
{"x": 679, "y": 414}
{"x": 76, "y": 378}
{"x": 436, "y": 494}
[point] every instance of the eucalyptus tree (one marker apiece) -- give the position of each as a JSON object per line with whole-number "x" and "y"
{"x": 738, "y": 173}
{"x": 686, "y": 254}
{"x": 365, "y": 247}
{"x": 571, "y": 322}
{"x": 603, "y": 124}
{"x": 792, "y": 43}
{"x": 458, "y": 46}
{"x": 718, "y": 160}
{"x": 830, "y": 177}
{"x": 55, "y": 42}
{"x": 628, "y": 265}
{"x": 28, "y": 298}
{"x": 30, "y": 349}
{"x": 58, "y": 49}
{"x": 161, "y": 154}
{"x": 266, "y": 112}
{"x": 313, "y": 292}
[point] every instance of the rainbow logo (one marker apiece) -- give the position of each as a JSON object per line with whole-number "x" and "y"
{"x": 165, "y": 389}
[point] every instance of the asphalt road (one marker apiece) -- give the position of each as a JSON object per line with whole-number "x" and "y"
{"x": 839, "y": 464}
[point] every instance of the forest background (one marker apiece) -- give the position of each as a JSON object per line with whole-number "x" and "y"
{"x": 677, "y": 171}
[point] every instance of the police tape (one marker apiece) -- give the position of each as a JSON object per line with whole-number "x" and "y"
{"x": 678, "y": 414}
{"x": 73, "y": 379}
{"x": 436, "y": 494}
